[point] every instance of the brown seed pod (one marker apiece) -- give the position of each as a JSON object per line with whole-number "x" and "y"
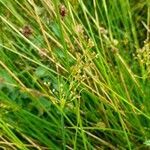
{"x": 63, "y": 10}
{"x": 26, "y": 31}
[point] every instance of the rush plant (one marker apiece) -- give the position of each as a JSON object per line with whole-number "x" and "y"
{"x": 74, "y": 74}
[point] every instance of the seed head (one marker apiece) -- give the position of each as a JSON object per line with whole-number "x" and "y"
{"x": 63, "y": 10}
{"x": 26, "y": 31}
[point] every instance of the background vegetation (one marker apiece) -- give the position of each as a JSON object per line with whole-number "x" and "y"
{"x": 74, "y": 74}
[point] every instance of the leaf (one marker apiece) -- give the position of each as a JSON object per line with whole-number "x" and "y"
{"x": 5, "y": 78}
{"x": 41, "y": 72}
{"x": 55, "y": 29}
{"x": 147, "y": 142}
{"x": 101, "y": 124}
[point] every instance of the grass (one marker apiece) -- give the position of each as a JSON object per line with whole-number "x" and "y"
{"x": 74, "y": 74}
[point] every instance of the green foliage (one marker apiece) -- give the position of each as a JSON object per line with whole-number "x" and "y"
{"x": 74, "y": 74}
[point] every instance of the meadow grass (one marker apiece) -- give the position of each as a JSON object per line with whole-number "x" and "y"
{"x": 74, "y": 74}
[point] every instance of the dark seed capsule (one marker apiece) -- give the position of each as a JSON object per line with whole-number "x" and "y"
{"x": 26, "y": 31}
{"x": 63, "y": 11}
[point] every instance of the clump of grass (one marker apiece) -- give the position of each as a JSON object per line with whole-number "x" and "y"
{"x": 68, "y": 75}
